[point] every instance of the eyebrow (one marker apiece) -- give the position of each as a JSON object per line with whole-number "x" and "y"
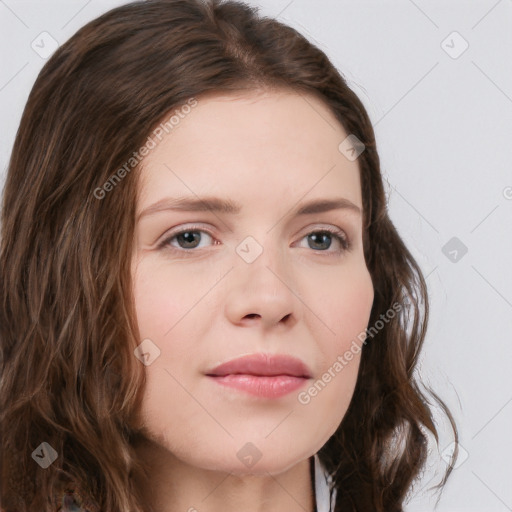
{"x": 216, "y": 204}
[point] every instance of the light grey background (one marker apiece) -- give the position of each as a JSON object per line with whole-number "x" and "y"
{"x": 443, "y": 121}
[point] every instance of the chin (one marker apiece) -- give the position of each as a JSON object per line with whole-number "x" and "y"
{"x": 251, "y": 460}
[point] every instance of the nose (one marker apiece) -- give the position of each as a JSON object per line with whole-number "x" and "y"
{"x": 262, "y": 292}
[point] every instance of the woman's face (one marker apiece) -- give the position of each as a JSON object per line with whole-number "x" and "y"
{"x": 256, "y": 278}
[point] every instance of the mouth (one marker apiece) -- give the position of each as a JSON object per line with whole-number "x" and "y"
{"x": 262, "y": 375}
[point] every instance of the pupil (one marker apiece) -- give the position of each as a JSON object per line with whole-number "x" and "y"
{"x": 189, "y": 237}
{"x": 317, "y": 237}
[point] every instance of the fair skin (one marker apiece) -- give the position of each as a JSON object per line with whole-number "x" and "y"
{"x": 202, "y": 304}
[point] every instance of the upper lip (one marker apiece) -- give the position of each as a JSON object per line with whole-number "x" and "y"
{"x": 263, "y": 364}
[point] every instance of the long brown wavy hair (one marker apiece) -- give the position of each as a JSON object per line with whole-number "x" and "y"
{"x": 68, "y": 374}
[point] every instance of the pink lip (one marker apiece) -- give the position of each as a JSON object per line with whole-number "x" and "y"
{"x": 264, "y": 375}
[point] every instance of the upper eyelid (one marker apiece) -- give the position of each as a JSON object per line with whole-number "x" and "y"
{"x": 193, "y": 227}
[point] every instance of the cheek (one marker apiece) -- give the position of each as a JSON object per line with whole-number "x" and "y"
{"x": 345, "y": 307}
{"x": 164, "y": 302}
{"x": 162, "y": 296}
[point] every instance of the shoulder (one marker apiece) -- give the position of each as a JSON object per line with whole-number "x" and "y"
{"x": 325, "y": 491}
{"x": 73, "y": 501}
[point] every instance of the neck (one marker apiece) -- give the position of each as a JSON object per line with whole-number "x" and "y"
{"x": 175, "y": 485}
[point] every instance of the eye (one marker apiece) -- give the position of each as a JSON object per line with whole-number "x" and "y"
{"x": 186, "y": 239}
{"x": 321, "y": 240}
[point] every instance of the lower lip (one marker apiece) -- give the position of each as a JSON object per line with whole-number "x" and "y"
{"x": 273, "y": 386}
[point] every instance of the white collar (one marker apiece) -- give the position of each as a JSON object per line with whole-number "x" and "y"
{"x": 325, "y": 496}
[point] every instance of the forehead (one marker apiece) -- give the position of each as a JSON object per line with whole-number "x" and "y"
{"x": 272, "y": 146}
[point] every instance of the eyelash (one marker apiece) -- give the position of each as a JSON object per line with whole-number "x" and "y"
{"x": 338, "y": 234}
